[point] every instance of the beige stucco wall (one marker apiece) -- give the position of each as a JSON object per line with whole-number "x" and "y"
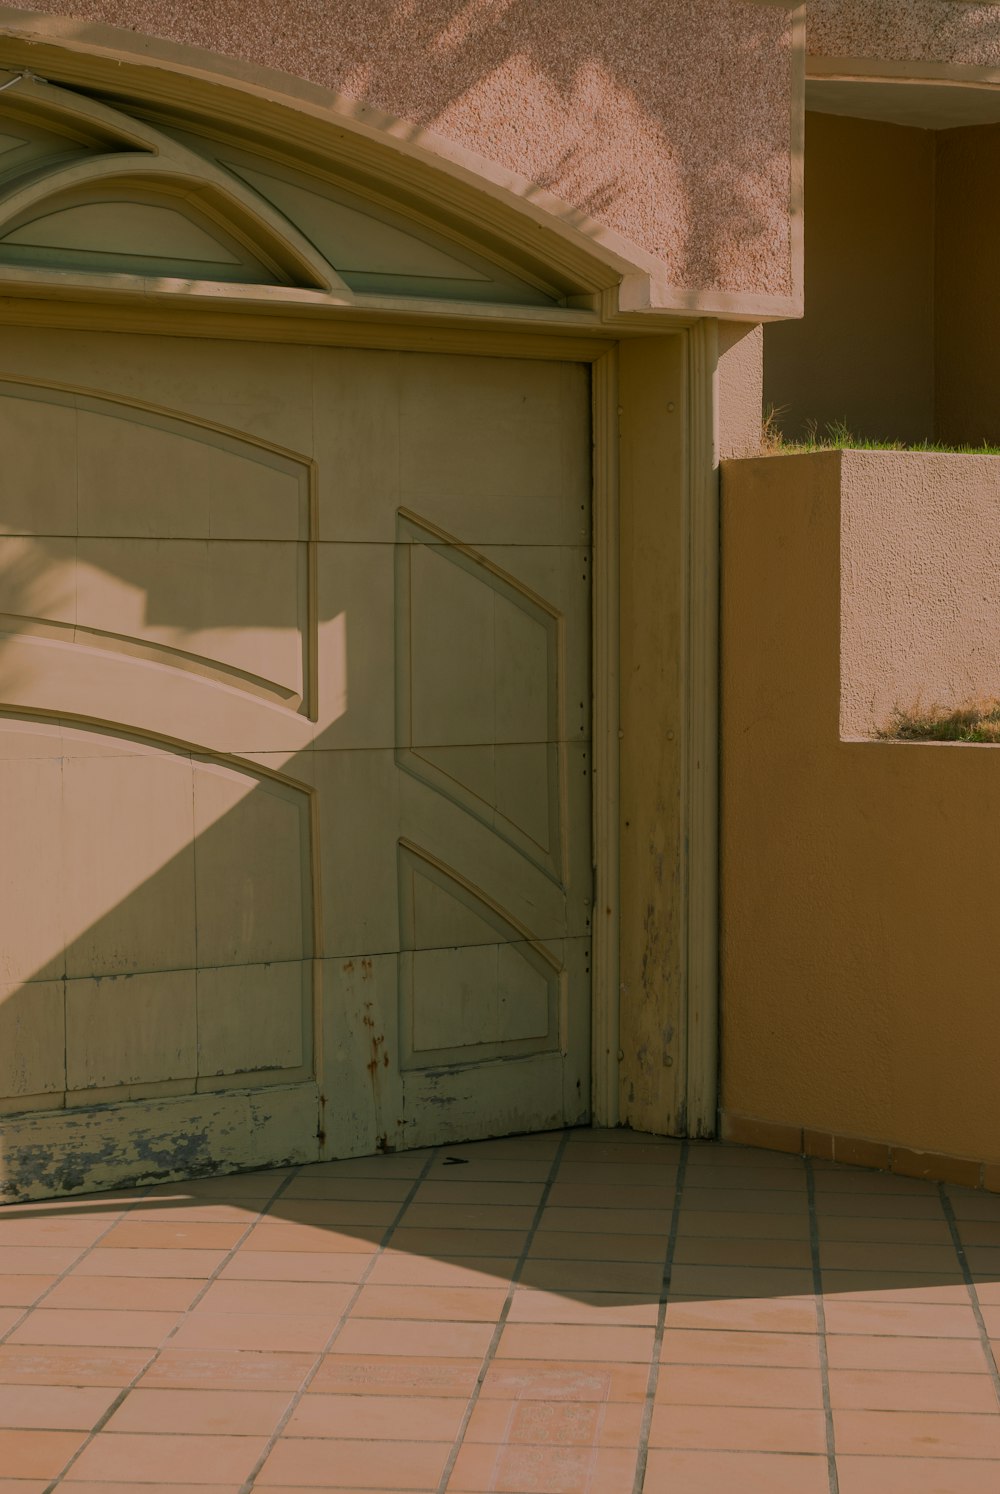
{"x": 921, "y": 30}
{"x": 920, "y": 582}
{"x": 858, "y": 878}
{"x": 967, "y": 320}
{"x": 864, "y": 351}
{"x": 739, "y": 389}
{"x": 670, "y": 125}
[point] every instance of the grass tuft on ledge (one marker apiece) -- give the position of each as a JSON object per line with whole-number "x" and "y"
{"x": 836, "y": 436}
{"x": 977, "y": 721}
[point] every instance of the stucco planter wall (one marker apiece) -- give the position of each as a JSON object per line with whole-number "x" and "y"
{"x": 858, "y": 877}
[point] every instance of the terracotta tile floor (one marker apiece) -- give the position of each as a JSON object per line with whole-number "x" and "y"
{"x": 581, "y": 1313}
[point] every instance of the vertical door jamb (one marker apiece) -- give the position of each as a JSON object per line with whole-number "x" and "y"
{"x": 701, "y": 704}
{"x": 667, "y": 1007}
{"x": 606, "y": 656}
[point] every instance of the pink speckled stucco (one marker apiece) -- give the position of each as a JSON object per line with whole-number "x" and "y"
{"x": 667, "y": 120}
{"x": 902, "y": 30}
{"x": 920, "y": 582}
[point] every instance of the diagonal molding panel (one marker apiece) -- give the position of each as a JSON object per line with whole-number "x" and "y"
{"x": 474, "y": 985}
{"x": 478, "y": 690}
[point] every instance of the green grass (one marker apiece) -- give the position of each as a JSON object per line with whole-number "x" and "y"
{"x": 837, "y": 437}
{"x": 977, "y": 721}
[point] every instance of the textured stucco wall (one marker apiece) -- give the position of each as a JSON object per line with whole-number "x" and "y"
{"x": 920, "y": 583}
{"x": 740, "y": 388}
{"x": 669, "y": 123}
{"x": 901, "y": 30}
{"x": 858, "y": 878}
{"x": 864, "y": 352}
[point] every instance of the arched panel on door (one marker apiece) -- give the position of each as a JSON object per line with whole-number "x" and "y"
{"x": 158, "y": 934}
{"x": 129, "y": 529}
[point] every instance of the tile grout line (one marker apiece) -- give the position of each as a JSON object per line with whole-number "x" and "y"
{"x": 824, "y": 1363}
{"x": 653, "y": 1380}
{"x": 970, "y": 1286}
{"x": 491, "y": 1348}
{"x": 103, "y": 1420}
{"x": 249, "y": 1482}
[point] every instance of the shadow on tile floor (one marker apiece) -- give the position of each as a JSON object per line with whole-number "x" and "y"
{"x": 582, "y": 1311}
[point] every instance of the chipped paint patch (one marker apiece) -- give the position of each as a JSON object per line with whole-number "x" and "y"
{"x": 53, "y": 1153}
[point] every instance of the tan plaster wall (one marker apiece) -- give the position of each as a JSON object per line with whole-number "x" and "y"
{"x": 670, "y": 125}
{"x": 968, "y": 307}
{"x": 740, "y": 389}
{"x": 920, "y": 578}
{"x": 864, "y": 351}
{"x": 923, "y": 30}
{"x": 858, "y": 878}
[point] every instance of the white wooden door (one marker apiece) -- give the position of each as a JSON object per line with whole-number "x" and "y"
{"x": 294, "y": 757}
{"x": 457, "y": 869}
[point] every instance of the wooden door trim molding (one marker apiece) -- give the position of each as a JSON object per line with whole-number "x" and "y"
{"x": 700, "y": 778}
{"x": 451, "y": 332}
{"x": 605, "y": 613}
{"x": 668, "y": 768}
{"x": 698, "y": 998}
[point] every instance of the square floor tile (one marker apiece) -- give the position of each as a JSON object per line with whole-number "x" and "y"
{"x": 602, "y": 1309}
{"x": 738, "y": 1429}
{"x": 565, "y": 1380}
{"x": 54, "y": 1407}
{"x": 920, "y": 1390}
{"x": 906, "y": 1319}
{"x": 887, "y": 1475}
{"x": 238, "y": 1413}
{"x": 227, "y": 1369}
{"x": 324, "y": 1299}
{"x": 402, "y": 1375}
{"x": 124, "y": 1293}
{"x": 556, "y": 1423}
{"x": 709, "y": 1346}
{"x": 575, "y": 1341}
{"x": 375, "y": 1336}
{"x": 877, "y": 1351}
{"x": 739, "y": 1385}
{"x": 307, "y": 1462}
{"x": 114, "y": 1457}
{"x": 459, "y": 1304}
{"x": 378, "y": 1418}
{"x": 37, "y": 1454}
{"x": 740, "y": 1472}
{"x": 542, "y": 1470}
{"x": 95, "y": 1329}
{"x": 754, "y": 1314}
{"x": 294, "y": 1332}
{"x": 943, "y": 1434}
